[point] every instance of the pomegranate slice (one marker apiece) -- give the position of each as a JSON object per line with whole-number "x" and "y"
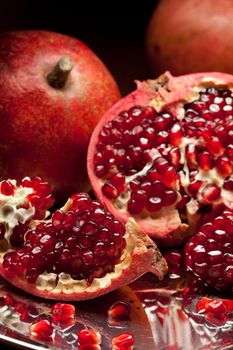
{"x": 164, "y": 154}
{"x": 80, "y": 253}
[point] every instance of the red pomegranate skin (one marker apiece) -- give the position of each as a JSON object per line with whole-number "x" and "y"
{"x": 191, "y": 36}
{"x": 45, "y": 130}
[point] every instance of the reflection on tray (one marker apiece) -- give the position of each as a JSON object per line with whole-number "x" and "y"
{"x": 161, "y": 318}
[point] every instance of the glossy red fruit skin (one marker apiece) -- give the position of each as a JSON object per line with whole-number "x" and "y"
{"x": 49, "y": 128}
{"x": 176, "y": 42}
{"x": 163, "y": 91}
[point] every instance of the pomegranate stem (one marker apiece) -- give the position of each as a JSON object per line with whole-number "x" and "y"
{"x": 58, "y": 77}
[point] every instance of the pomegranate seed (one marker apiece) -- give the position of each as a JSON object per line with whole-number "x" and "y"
{"x": 214, "y": 146}
{"x": 89, "y": 337}
{"x": 42, "y": 330}
{"x": 170, "y": 177}
{"x": 7, "y": 188}
{"x": 174, "y": 157}
{"x": 161, "y": 165}
{"x": 228, "y": 184}
{"x": 109, "y": 191}
{"x": 211, "y": 193}
{"x": 135, "y": 207}
{"x": 134, "y": 185}
{"x": 63, "y": 312}
{"x": 176, "y": 135}
{"x": 119, "y": 311}
{"x": 204, "y": 160}
{"x": 118, "y": 181}
{"x": 68, "y": 219}
{"x": 194, "y": 187}
{"x": 170, "y": 197}
{"x": 154, "y": 204}
{"x": 58, "y": 218}
{"x": 191, "y": 155}
{"x": 123, "y": 341}
{"x": 175, "y": 261}
{"x": 224, "y": 166}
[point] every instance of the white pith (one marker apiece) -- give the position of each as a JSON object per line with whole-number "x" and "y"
{"x": 170, "y": 216}
{"x": 11, "y": 213}
{"x": 64, "y": 283}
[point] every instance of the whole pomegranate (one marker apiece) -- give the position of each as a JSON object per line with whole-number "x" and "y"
{"x": 164, "y": 154}
{"x": 81, "y": 252}
{"x": 53, "y": 91}
{"x": 191, "y": 36}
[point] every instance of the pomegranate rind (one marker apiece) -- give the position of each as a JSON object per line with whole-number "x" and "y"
{"x": 141, "y": 255}
{"x": 161, "y": 92}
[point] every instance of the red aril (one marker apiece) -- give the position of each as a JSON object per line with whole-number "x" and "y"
{"x": 88, "y": 337}
{"x": 53, "y": 91}
{"x": 81, "y": 252}
{"x": 119, "y": 311}
{"x": 42, "y": 330}
{"x": 62, "y": 312}
{"x": 123, "y": 341}
{"x": 163, "y": 154}
{"x": 216, "y": 311}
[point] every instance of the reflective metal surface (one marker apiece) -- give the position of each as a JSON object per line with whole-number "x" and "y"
{"x": 160, "y": 319}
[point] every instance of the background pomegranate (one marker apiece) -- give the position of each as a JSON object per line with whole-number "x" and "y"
{"x": 164, "y": 154}
{"x": 53, "y": 90}
{"x": 191, "y": 36}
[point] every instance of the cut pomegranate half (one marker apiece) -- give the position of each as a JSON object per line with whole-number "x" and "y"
{"x": 164, "y": 154}
{"x": 81, "y": 253}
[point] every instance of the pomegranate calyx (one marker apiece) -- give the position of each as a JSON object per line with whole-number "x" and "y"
{"x": 58, "y": 77}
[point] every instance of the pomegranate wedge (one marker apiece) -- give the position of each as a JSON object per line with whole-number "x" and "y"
{"x": 81, "y": 253}
{"x": 164, "y": 154}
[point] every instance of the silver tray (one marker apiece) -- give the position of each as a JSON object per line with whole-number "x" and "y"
{"x": 159, "y": 320}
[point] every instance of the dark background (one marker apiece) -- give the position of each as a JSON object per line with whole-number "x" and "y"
{"x": 114, "y": 30}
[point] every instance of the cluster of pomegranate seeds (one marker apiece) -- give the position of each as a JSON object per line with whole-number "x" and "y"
{"x": 163, "y": 159}
{"x": 85, "y": 242}
{"x": 124, "y": 141}
{"x": 40, "y": 198}
{"x": 215, "y": 310}
{"x": 209, "y": 253}
{"x": 42, "y": 330}
{"x": 62, "y": 312}
{"x": 123, "y": 341}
